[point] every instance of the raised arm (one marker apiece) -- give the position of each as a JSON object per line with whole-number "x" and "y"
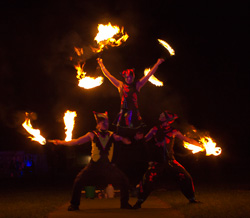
{"x": 117, "y": 83}
{"x": 83, "y": 139}
{"x": 144, "y": 79}
{"x": 189, "y": 140}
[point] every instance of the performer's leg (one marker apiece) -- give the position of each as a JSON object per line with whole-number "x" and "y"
{"x": 116, "y": 177}
{"x": 146, "y": 186}
{"x": 184, "y": 179}
{"x": 82, "y": 179}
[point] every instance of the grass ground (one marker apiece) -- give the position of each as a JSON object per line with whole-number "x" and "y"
{"x": 26, "y": 199}
{"x": 217, "y": 201}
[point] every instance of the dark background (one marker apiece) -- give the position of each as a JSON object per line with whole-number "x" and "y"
{"x": 206, "y": 83}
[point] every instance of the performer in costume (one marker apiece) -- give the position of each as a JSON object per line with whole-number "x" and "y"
{"x": 99, "y": 171}
{"x": 129, "y": 117}
{"x": 164, "y": 136}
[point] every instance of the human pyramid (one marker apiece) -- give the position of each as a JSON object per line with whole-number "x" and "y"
{"x": 129, "y": 131}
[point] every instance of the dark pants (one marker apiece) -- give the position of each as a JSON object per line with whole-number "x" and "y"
{"x": 157, "y": 170}
{"x": 100, "y": 174}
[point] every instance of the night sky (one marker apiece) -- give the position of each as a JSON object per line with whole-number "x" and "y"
{"x": 206, "y": 83}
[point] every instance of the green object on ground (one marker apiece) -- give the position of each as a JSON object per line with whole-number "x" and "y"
{"x": 90, "y": 191}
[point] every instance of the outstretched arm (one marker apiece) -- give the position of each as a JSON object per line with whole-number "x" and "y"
{"x": 122, "y": 139}
{"x": 189, "y": 140}
{"x": 117, "y": 83}
{"x": 144, "y": 79}
{"x": 83, "y": 139}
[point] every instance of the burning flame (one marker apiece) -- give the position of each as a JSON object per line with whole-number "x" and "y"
{"x": 109, "y": 35}
{"x": 87, "y": 82}
{"x": 208, "y": 144}
{"x": 34, "y": 132}
{"x": 167, "y": 46}
{"x": 69, "y": 121}
{"x": 153, "y": 79}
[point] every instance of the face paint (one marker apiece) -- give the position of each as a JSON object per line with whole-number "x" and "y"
{"x": 128, "y": 75}
{"x": 167, "y": 117}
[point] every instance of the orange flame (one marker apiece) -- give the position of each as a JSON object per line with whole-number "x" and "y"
{"x": 34, "y": 132}
{"x": 109, "y": 35}
{"x": 79, "y": 51}
{"x": 69, "y": 122}
{"x": 167, "y": 46}
{"x": 153, "y": 79}
{"x": 208, "y": 144}
{"x": 87, "y": 82}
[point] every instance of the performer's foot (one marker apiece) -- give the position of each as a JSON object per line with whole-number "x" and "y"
{"x": 126, "y": 206}
{"x": 194, "y": 201}
{"x": 73, "y": 207}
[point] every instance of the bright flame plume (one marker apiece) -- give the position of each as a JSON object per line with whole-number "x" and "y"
{"x": 109, "y": 35}
{"x": 69, "y": 121}
{"x": 153, "y": 79}
{"x": 87, "y": 82}
{"x": 208, "y": 144}
{"x": 167, "y": 46}
{"x": 34, "y": 132}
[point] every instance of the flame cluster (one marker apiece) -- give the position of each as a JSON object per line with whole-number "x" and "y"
{"x": 87, "y": 82}
{"x": 109, "y": 35}
{"x": 208, "y": 145}
{"x": 69, "y": 122}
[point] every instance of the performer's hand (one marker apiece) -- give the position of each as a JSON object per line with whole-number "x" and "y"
{"x": 126, "y": 141}
{"x": 56, "y": 141}
{"x": 99, "y": 60}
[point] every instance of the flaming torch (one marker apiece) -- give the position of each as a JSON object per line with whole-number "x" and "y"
{"x": 167, "y": 46}
{"x": 208, "y": 145}
{"x": 69, "y": 121}
{"x": 34, "y": 132}
{"x": 87, "y": 82}
{"x": 153, "y": 79}
{"x": 109, "y": 35}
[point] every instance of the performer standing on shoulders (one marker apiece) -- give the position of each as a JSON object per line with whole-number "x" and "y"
{"x": 129, "y": 117}
{"x": 99, "y": 171}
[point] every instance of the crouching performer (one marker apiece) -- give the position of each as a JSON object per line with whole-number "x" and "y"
{"x": 164, "y": 136}
{"x": 100, "y": 170}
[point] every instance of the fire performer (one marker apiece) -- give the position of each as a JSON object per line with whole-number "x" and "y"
{"x": 100, "y": 170}
{"x": 164, "y": 136}
{"x": 129, "y": 117}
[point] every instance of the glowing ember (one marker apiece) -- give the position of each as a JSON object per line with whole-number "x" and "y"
{"x": 86, "y": 81}
{"x": 153, "y": 79}
{"x": 167, "y": 46}
{"x": 69, "y": 121}
{"x": 34, "y": 132}
{"x": 109, "y": 35}
{"x": 79, "y": 51}
{"x": 208, "y": 144}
